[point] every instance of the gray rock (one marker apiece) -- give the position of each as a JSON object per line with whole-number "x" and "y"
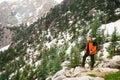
{"x": 114, "y": 62}
{"x": 59, "y": 74}
{"x": 65, "y": 64}
{"x": 49, "y": 78}
{"x": 60, "y": 78}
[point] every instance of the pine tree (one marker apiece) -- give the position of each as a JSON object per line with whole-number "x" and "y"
{"x": 95, "y": 25}
{"x": 114, "y": 36}
{"x": 99, "y": 39}
{"x": 75, "y": 57}
{"x": 57, "y": 64}
{"x": 43, "y": 70}
{"x": 111, "y": 51}
{"x": 114, "y": 39}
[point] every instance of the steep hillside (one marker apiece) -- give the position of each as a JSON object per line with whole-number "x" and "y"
{"x": 38, "y": 51}
{"x": 16, "y": 12}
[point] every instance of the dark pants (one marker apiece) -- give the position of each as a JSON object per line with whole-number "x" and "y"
{"x": 92, "y": 60}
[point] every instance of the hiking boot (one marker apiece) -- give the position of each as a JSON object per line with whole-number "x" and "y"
{"x": 91, "y": 68}
{"x": 82, "y": 66}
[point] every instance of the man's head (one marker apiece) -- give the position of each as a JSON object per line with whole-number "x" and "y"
{"x": 89, "y": 38}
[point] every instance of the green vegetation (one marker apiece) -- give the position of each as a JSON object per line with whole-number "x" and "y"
{"x": 50, "y": 64}
{"x": 112, "y": 76}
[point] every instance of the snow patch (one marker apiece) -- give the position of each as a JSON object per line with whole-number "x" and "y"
{"x": 58, "y": 1}
{"x": 117, "y": 11}
{"x": 5, "y": 48}
{"x": 110, "y": 27}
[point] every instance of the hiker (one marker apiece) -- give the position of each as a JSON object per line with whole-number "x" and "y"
{"x": 90, "y": 51}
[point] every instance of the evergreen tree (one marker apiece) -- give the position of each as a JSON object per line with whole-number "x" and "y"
{"x": 99, "y": 39}
{"x": 57, "y": 64}
{"x": 95, "y": 25}
{"x": 114, "y": 39}
{"x": 111, "y": 51}
{"x": 75, "y": 59}
{"x": 114, "y": 36}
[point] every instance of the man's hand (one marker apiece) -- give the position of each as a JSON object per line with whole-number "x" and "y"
{"x": 90, "y": 51}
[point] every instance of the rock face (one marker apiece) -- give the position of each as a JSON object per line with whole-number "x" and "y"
{"x": 19, "y": 12}
{"x": 113, "y": 63}
{"x": 22, "y": 11}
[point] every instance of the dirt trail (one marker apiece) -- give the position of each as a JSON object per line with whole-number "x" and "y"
{"x": 99, "y": 72}
{"x": 96, "y": 72}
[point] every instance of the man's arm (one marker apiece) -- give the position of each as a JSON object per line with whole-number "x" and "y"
{"x": 86, "y": 46}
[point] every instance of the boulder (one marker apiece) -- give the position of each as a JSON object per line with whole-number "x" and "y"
{"x": 59, "y": 78}
{"x": 114, "y": 62}
{"x": 65, "y": 64}
{"x": 49, "y": 78}
{"x": 73, "y": 72}
{"x": 59, "y": 73}
{"x": 65, "y": 72}
{"x": 77, "y": 71}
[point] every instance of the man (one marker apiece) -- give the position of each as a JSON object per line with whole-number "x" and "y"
{"x": 90, "y": 51}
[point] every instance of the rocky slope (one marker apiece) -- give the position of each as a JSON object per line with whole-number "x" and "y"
{"x": 23, "y": 11}
{"x": 38, "y": 51}
{"x": 13, "y": 13}
{"x": 80, "y": 73}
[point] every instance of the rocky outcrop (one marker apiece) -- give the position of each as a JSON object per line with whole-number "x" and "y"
{"x": 113, "y": 63}
{"x": 80, "y": 73}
